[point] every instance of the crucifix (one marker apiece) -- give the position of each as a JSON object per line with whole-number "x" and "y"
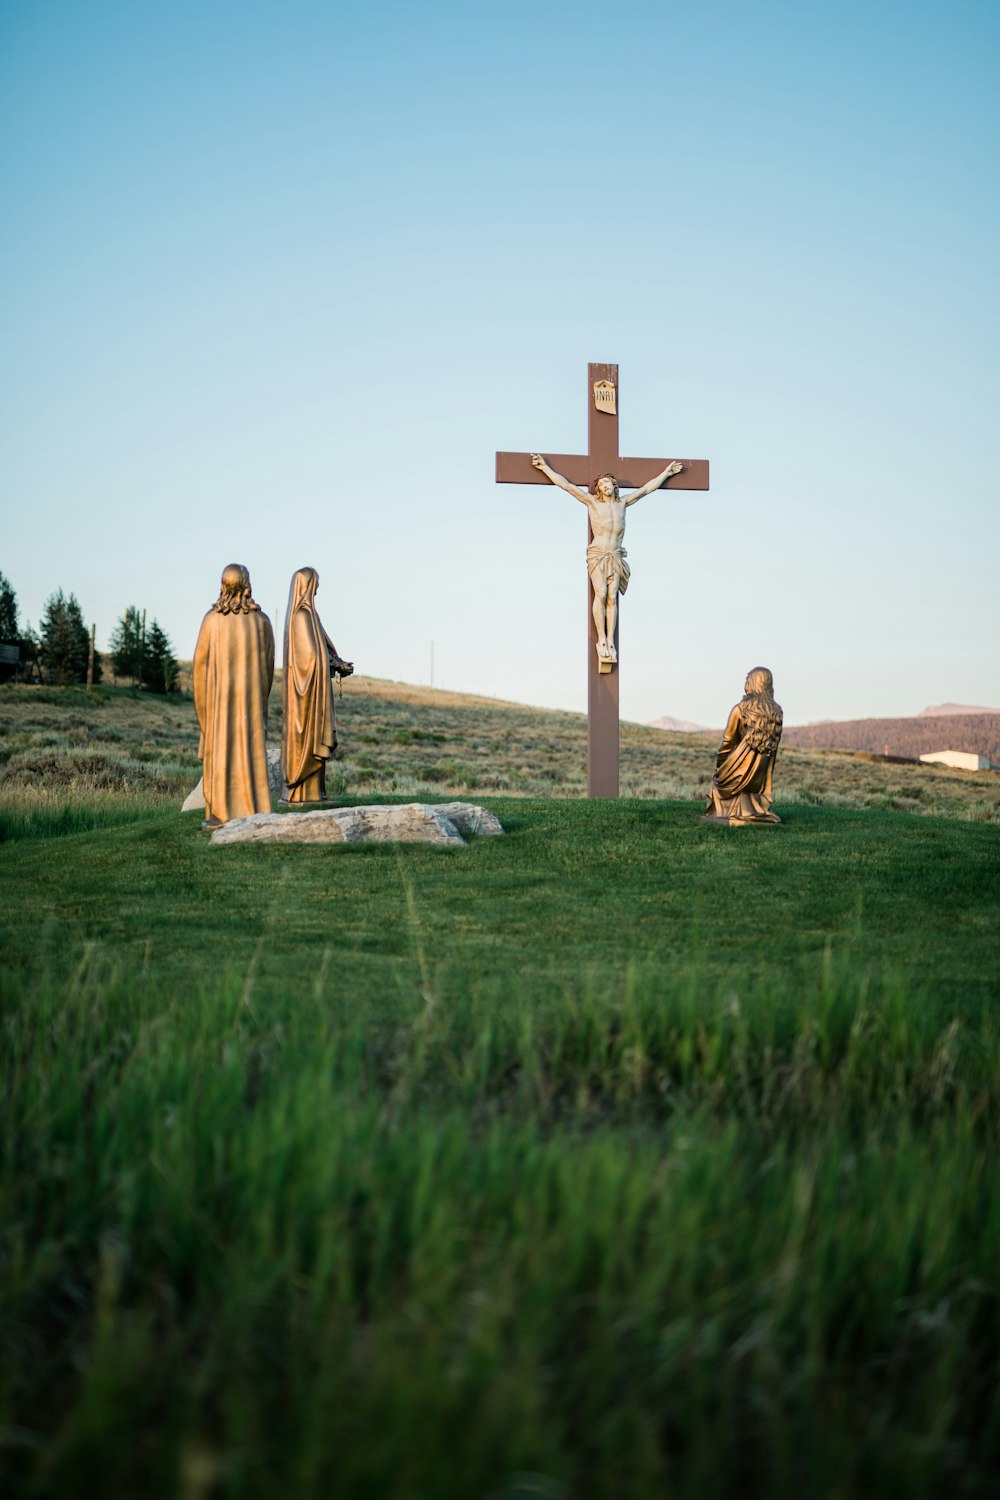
{"x": 601, "y": 471}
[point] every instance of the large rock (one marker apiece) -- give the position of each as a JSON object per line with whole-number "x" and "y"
{"x": 468, "y": 818}
{"x": 195, "y": 800}
{"x": 413, "y": 823}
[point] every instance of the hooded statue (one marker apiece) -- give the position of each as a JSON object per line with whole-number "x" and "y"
{"x": 741, "y": 787}
{"x": 309, "y": 723}
{"x": 233, "y": 670}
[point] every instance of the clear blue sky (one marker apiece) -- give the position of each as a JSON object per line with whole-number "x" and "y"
{"x": 276, "y": 280}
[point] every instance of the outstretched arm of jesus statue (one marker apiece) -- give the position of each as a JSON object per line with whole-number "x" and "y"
{"x": 564, "y": 484}
{"x": 654, "y": 484}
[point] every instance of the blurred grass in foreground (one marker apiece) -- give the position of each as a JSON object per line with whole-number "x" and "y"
{"x": 631, "y": 1238}
{"x": 615, "y": 1158}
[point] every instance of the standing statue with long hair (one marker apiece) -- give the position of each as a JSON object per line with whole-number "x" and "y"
{"x": 233, "y": 671}
{"x": 309, "y": 722}
{"x": 741, "y": 787}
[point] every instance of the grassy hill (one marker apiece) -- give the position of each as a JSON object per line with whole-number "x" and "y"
{"x": 975, "y": 731}
{"x": 618, "y": 1157}
{"x": 398, "y": 739}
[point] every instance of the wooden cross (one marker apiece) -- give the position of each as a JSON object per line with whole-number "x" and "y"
{"x": 584, "y": 470}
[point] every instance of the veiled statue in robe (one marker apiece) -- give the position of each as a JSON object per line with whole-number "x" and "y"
{"x": 233, "y": 670}
{"x": 741, "y": 787}
{"x": 309, "y": 721}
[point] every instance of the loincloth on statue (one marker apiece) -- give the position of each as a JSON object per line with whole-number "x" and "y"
{"x": 604, "y": 563}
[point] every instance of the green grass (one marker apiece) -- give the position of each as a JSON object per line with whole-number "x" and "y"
{"x": 47, "y": 815}
{"x": 621, "y": 1157}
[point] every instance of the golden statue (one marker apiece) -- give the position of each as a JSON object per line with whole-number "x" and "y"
{"x": 309, "y": 727}
{"x": 741, "y": 787}
{"x": 233, "y": 670}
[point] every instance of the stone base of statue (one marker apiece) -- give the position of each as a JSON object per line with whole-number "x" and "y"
{"x": 741, "y": 822}
{"x": 739, "y": 811}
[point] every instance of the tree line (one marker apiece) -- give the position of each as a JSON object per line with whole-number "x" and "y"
{"x": 59, "y": 650}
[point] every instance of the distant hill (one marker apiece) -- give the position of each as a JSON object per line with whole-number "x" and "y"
{"x": 974, "y": 730}
{"x": 678, "y": 726}
{"x": 950, "y": 709}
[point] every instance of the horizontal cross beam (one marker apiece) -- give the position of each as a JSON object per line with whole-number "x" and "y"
{"x": 517, "y": 468}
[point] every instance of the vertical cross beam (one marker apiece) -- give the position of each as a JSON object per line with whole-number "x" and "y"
{"x": 603, "y": 743}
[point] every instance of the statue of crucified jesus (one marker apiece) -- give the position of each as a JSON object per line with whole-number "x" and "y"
{"x": 609, "y": 572}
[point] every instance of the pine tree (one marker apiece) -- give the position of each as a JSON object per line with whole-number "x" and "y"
{"x": 127, "y": 646}
{"x": 82, "y": 637}
{"x": 9, "y": 631}
{"x": 144, "y": 655}
{"x": 159, "y": 667}
{"x": 65, "y": 640}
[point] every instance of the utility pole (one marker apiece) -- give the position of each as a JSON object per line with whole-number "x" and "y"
{"x": 90, "y": 658}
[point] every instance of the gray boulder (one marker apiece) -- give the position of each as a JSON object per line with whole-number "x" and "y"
{"x": 412, "y": 823}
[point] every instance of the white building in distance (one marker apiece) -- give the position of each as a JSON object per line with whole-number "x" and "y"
{"x": 963, "y": 759}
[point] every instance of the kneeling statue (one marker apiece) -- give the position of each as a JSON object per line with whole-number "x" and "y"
{"x": 741, "y": 787}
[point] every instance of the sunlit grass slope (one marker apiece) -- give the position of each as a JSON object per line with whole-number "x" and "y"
{"x": 621, "y": 1156}
{"x": 402, "y": 740}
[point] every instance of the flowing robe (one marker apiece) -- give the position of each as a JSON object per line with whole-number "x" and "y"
{"x": 741, "y": 787}
{"x": 233, "y": 670}
{"x": 309, "y": 723}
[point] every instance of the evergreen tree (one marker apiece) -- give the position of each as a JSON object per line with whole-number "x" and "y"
{"x": 145, "y": 656}
{"x": 159, "y": 667}
{"x": 65, "y": 640}
{"x": 82, "y": 636}
{"x": 9, "y": 632}
{"x": 127, "y": 646}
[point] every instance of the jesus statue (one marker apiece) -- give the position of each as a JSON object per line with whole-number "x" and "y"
{"x": 606, "y": 564}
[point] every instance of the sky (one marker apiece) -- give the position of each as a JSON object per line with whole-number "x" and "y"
{"x": 277, "y": 280}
